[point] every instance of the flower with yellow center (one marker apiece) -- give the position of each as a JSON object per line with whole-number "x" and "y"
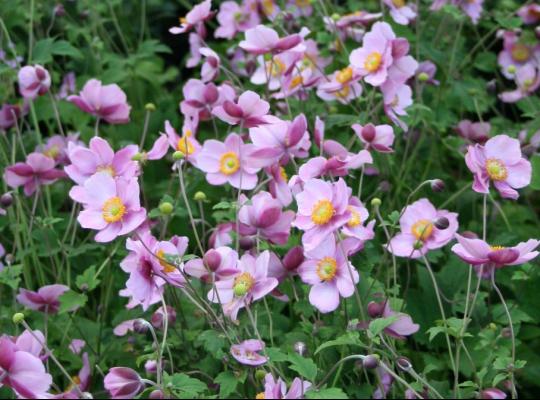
{"x": 373, "y": 61}
{"x": 398, "y": 3}
{"x": 343, "y": 93}
{"x": 229, "y": 163}
{"x": 260, "y": 396}
{"x": 345, "y": 75}
{"x": 106, "y": 168}
{"x": 243, "y": 284}
{"x": 268, "y": 6}
{"x": 497, "y": 248}
{"x": 520, "y": 52}
{"x": 182, "y": 20}
{"x": 113, "y": 210}
{"x": 422, "y": 229}
{"x": 283, "y": 174}
{"x": 275, "y": 67}
{"x": 52, "y": 152}
{"x": 496, "y": 169}
{"x": 326, "y": 269}
{"x": 167, "y": 267}
{"x": 296, "y": 81}
{"x": 355, "y": 219}
{"x": 322, "y": 212}
{"x": 184, "y": 145}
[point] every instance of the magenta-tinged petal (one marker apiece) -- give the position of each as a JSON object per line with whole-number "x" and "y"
{"x": 325, "y": 297}
{"x": 503, "y": 256}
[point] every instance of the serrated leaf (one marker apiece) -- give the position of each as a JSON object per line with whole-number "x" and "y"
{"x": 71, "y": 301}
{"x": 87, "y": 281}
{"x": 276, "y": 355}
{"x": 185, "y": 386}
{"x": 350, "y": 338}
{"x": 330, "y": 393}
{"x": 10, "y": 276}
{"x": 64, "y": 48}
{"x": 378, "y": 325}
{"x": 304, "y": 366}
{"x": 227, "y": 383}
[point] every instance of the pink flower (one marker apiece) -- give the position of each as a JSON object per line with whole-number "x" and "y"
{"x": 217, "y": 264}
{"x": 342, "y": 86}
{"x": 358, "y": 227}
{"x": 186, "y": 144}
{"x": 248, "y": 353}
{"x": 397, "y": 98}
{"x": 273, "y": 72}
{"x": 201, "y": 98}
{"x": 401, "y": 12}
{"x": 111, "y": 206}
{"x": 262, "y": 40}
{"x": 234, "y": 18}
{"x": 76, "y": 346}
{"x": 46, "y": 299}
{"x": 100, "y": 157}
{"x": 530, "y": 14}
{"x": 330, "y": 275}
{"x": 280, "y": 141}
{"x": 158, "y": 150}
{"x": 403, "y": 325}
{"x": 68, "y": 86}
{"x": 195, "y": 19}
{"x": 500, "y": 161}
{"x": 419, "y": 232}
{"x": 22, "y": 370}
{"x": 373, "y": 59}
{"x": 195, "y": 44}
{"x": 277, "y": 389}
{"x": 322, "y": 209}
{"x": 221, "y": 235}
{"x": 527, "y": 80}
{"x": 379, "y": 138}
{"x": 158, "y": 318}
{"x": 56, "y": 147}
{"x": 263, "y": 216}
{"x": 123, "y": 383}
{"x": 492, "y": 393}
{"x": 475, "y": 132}
{"x": 339, "y": 164}
{"x": 249, "y": 284}
{"x": 477, "y": 252}
{"x": 278, "y": 185}
{"x": 426, "y": 73}
{"x": 516, "y": 54}
{"x": 9, "y": 113}
{"x": 211, "y": 65}
{"x": 37, "y": 170}
{"x": 473, "y": 8}
{"x": 34, "y": 81}
{"x": 107, "y": 102}
{"x": 228, "y": 162}
{"x": 249, "y": 111}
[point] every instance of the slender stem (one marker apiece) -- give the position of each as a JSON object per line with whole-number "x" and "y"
{"x": 165, "y": 329}
{"x": 56, "y": 114}
{"x": 484, "y": 218}
{"x": 188, "y": 207}
{"x": 145, "y": 130}
{"x": 31, "y": 31}
{"x": 96, "y": 127}
{"x": 158, "y": 349}
{"x": 513, "y": 337}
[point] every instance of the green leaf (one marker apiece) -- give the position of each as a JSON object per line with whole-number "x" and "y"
{"x": 185, "y": 386}
{"x": 87, "y": 281}
{"x": 330, "y": 393}
{"x": 535, "y": 162}
{"x": 304, "y": 366}
{"x": 10, "y": 276}
{"x": 378, "y": 325}
{"x": 42, "y": 53}
{"x": 227, "y": 383}
{"x": 212, "y": 341}
{"x": 70, "y": 301}
{"x": 350, "y": 338}
{"x": 276, "y": 355}
{"x": 64, "y": 48}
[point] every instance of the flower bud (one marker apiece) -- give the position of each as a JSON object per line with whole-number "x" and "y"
{"x": 151, "y": 107}
{"x": 212, "y": 259}
{"x": 376, "y": 202}
{"x": 375, "y": 309}
{"x": 6, "y": 200}
{"x": 9, "y": 258}
{"x": 437, "y": 185}
{"x": 157, "y": 394}
{"x": 177, "y": 156}
{"x": 371, "y": 361}
{"x": 335, "y": 17}
{"x": 404, "y": 364}
{"x": 18, "y": 318}
{"x": 200, "y": 196}
{"x": 442, "y": 223}
{"x": 492, "y": 393}
{"x": 293, "y": 258}
{"x": 140, "y": 326}
{"x": 246, "y": 243}
{"x": 300, "y": 348}
{"x": 166, "y": 208}
{"x": 260, "y": 374}
{"x": 423, "y": 77}
{"x": 506, "y": 333}
{"x": 59, "y": 10}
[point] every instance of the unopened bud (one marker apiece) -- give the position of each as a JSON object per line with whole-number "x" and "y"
{"x": 404, "y": 364}
{"x": 212, "y": 259}
{"x": 246, "y": 243}
{"x": 9, "y": 258}
{"x": 6, "y": 200}
{"x": 335, "y": 17}
{"x": 437, "y": 185}
{"x": 150, "y": 107}
{"x": 371, "y": 361}
{"x": 166, "y": 208}
{"x": 423, "y": 77}
{"x": 492, "y": 326}
{"x": 375, "y": 309}
{"x": 260, "y": 374}
{"x": 300, "y": 348}
{"x": 376, "y": 202}
{"x": 506, "y": 333}
{"x": 157, "y": 394}
{"x": 140, "y": 326}
{"x": 178, "y": 155}
{"x": 18, "y": 318}
{"x": 200, "y": 196}
{"x": 442, "y": 223}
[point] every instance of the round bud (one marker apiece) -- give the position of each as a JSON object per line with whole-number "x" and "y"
{"x": 246, "y": 243}
{"x": 9, "y": 258}
{"x": 375, "y": 309}
{"x": 371, "y": 361}
{"x": 423, "y": 77}
{"x": 138, "y": 157}
{"x": 437, "y": 185}
{"x": 212, "y": 259}
{"x": 140, "y": 326}
{"x": 442, "y": 223}
{"x": 335, "y": 16}
{"x": 300, "y": 348}
{"x": 151, "y": 107}
{"x": 157, "y": 394}
{"x": 492, "y": 326}
{"x": 384, "y": 186}
{"x": 260, "y": 374}
{"x": 511, "y": 69}
{"x": 6, "y": 200}
{"x": 376, "y": 202}
{"x": 404, "y": 364}
{"x": 200, "y": 196}
{"x": 491, "y": 86}
{"x": 506, "y": 333}
{"x": 18, "y": 318}
{"x": 418, "y": 245}
{"x": 177, "y": 156}
{"x": 166, "y": 208}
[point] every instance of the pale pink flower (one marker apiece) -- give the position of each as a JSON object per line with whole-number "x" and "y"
{"x": 527, "y": 80}
{"x": 36, "y": 171}
{"x": 273, "y": 72}
{"x": 499, "y": 161}
{"x": 262, "y": 40}
{"x": 379, "y": 138}
{"x": 249, "y": 111}
{"x": 516, "y": 54}
{"x": 211, "y": 65}
{"x": 529, "y": 13}
{"x": 123, "y": 383}
{"x": 403, "y": 325}
{"x": 277, "y": 389}
{"x": 107, "y": 102}
{"x": 195, "y": 19}
{"x": 342, "y": 86}
{"x": 474, "y": 132}
{"x": 111, "y": 206}
{"x": 217, "y": 264}
{"x": 228, "y": 162}
{"x": 358, "y": 226}
{"x": 248, "y": 353}
{"x": 34, "y": 81}
{"x": 221, "y": 236}
{"x": 234, "y": 18}
{"x": 200, "y": 98}
{"x": 186, "y": 144}
{"x": 56, "y": 147}
{"x": 46, "y": 299}
{"x": 401, "y": 12}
